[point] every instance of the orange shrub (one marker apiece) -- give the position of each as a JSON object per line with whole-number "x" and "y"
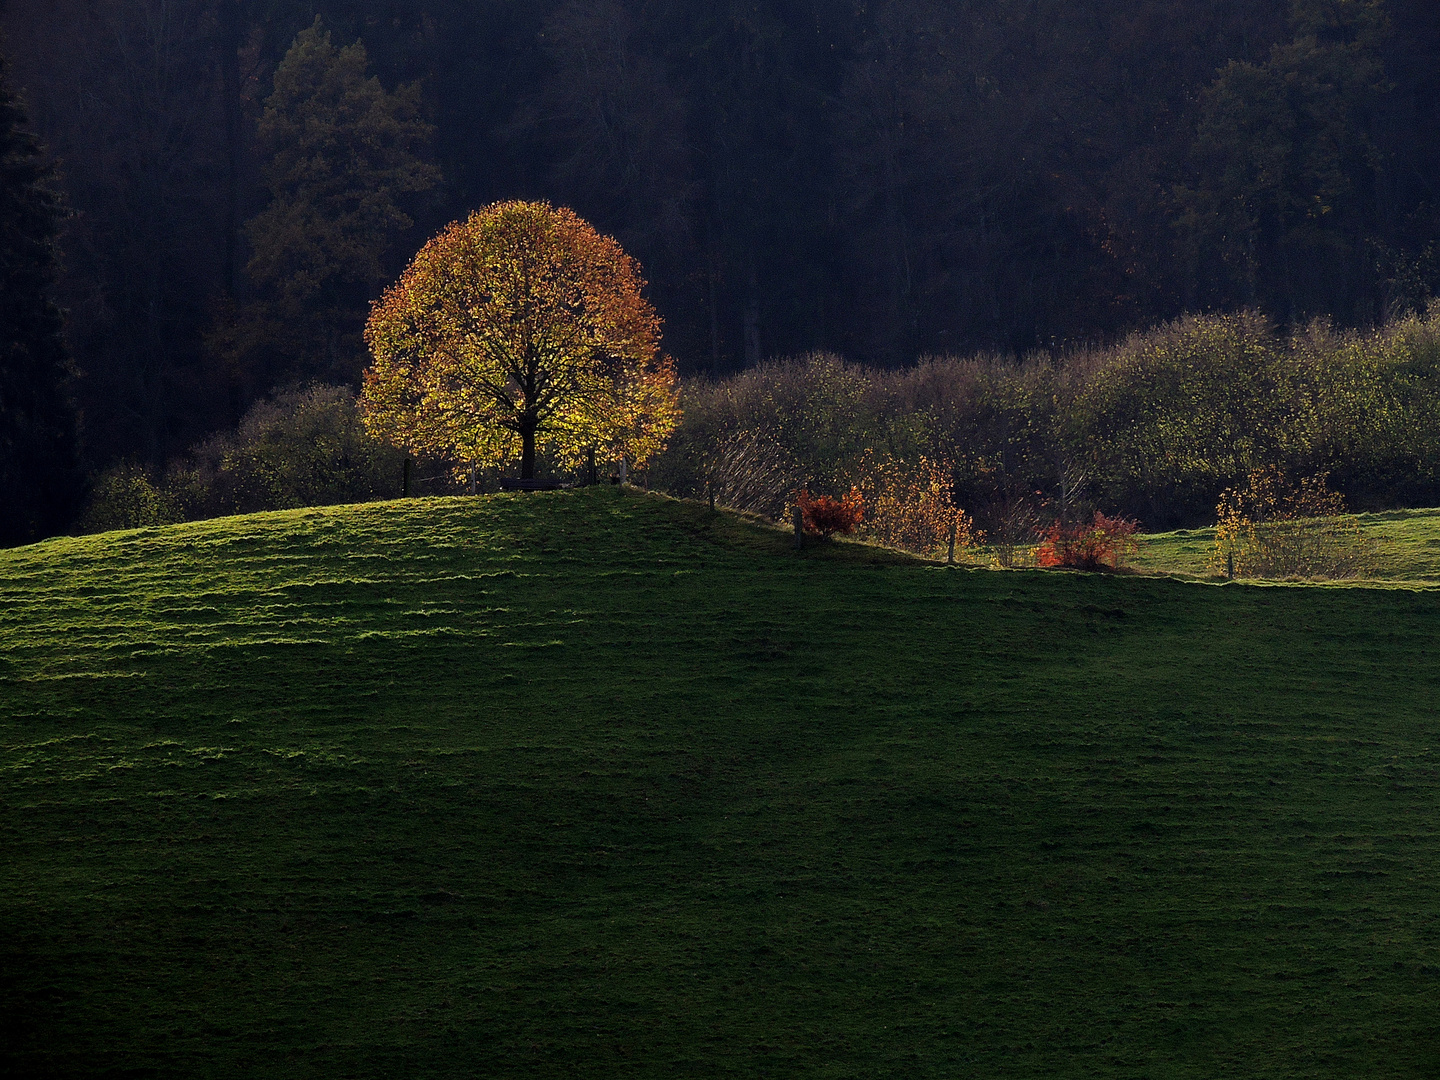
{"x": 825, "y": 516}
{"x": 1090, "y": 546}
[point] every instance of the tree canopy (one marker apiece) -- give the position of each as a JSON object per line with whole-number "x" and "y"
{"x": 520, "y": 329}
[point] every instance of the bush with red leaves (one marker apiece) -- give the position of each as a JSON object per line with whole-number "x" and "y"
{"x": 824, "y": 516}
{"x": 1103, "y": 541}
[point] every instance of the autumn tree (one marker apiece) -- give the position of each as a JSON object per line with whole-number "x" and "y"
{"x": 38, "y": 462}
{"x": 340, "y": 154}
{"x": 520, "y": 329}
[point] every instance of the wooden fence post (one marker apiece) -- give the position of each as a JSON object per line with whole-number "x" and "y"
{"x": 799, "y": 529}
{"x": 405, "y": 483}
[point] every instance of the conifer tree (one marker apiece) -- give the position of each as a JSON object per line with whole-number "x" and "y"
{"x": 38, "y": 441}
{"x": 340, "y": 154}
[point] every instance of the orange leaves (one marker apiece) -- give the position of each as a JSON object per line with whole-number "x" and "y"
{"x": 520, "y": 328}
{"x": 1104, "y": 540}
{"x": 825, "y": 516}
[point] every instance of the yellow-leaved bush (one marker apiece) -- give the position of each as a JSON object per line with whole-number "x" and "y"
{"x": 1270, "y": 528}
{"x": 912, "y": 507}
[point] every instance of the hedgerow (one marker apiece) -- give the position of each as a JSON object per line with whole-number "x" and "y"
{"x": 1153, "y": 428}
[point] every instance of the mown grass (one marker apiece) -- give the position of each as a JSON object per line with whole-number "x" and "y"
{"x": 592, "y": 783}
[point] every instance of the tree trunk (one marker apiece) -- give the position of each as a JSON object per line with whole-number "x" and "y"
{"x": 230, "y": 33}
{"x": 527, "y": 450}
{"x": 752, "y": 319}
{"x": 714, "y": 326}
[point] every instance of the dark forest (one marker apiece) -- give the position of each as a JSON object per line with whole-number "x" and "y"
{"x": 884, "y": 180}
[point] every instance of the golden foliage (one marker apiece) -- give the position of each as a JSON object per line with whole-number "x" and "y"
{"x": 1270, "y": 528}
{"x": 520, "y": 327}
{"x": 912, "y": 507}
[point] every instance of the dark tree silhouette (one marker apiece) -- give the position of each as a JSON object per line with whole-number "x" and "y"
{"x": 38, "y": 461}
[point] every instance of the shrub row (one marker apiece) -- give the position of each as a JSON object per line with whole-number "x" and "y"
{"x": 301, "y": 447}
{"x": 1154, "y": 428}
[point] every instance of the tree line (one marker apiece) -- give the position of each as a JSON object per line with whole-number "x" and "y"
{"x": 1154, "y": 428}
{"x": 884, "y": 181}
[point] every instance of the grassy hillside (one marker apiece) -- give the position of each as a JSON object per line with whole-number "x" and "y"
{"x": 596, "y": 784}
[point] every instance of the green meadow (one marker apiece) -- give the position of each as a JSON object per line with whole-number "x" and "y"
{"x": 595, "y": 783}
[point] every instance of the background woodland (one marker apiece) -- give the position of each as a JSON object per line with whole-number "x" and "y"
{"x": 884, "y": 182}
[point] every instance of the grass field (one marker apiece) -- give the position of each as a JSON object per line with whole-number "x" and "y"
{"x": 593, "y": 783}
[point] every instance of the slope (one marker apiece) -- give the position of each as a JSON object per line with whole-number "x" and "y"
{"x": 597, "y": 784}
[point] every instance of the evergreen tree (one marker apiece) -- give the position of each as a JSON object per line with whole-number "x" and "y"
{"x": 38, "y": 443}
{"x": 340, "y": 154}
